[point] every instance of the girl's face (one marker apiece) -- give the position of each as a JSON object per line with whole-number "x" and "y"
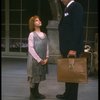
{"x": 37, "y": 22}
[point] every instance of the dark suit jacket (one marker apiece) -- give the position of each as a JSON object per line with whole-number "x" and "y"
{"x": 71, "y": 29}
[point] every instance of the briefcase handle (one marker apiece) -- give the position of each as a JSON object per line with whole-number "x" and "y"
{"x": 71, "y": 61}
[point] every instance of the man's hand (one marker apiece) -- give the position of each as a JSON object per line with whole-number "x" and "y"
{"x": 72, "y": 52}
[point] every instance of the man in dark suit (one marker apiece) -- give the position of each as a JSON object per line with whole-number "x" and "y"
{"x": 71, "y": 40}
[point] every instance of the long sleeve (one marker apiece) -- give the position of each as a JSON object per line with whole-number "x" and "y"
{"x": 77, "y": 26}
{"x": 47, "y": 53}
{"x": 31, "y": 49}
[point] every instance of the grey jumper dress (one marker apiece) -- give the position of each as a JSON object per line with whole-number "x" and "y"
{"x": 34, "y": 69}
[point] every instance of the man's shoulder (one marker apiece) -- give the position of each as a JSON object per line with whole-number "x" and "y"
{"x": 77, "y": 4}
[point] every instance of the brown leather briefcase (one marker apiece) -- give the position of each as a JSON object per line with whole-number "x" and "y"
{"x": 72, "y": 70}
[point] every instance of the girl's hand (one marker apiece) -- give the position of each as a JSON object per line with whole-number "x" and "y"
{"x": 45, "y": 61}
{"x": 42, "y": 62}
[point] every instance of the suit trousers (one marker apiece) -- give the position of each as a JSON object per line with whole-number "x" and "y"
{"x": 71, "y": 91}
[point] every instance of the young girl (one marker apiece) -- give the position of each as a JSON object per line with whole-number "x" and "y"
{"x": 38, "y": 54}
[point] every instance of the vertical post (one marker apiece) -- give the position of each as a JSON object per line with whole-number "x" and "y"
{"x": 39, "y": 7}
{"x": 87, "y": 22}
{"x": 7, "y": 26}
{"x": 53, "y": 35}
